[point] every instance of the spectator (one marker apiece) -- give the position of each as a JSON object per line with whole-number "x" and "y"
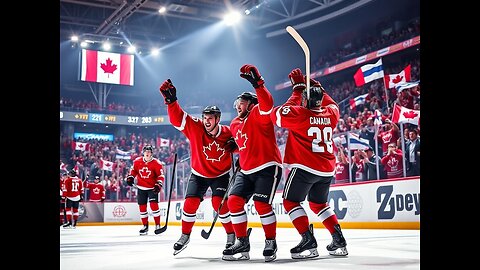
{"x": 412, "y": 149}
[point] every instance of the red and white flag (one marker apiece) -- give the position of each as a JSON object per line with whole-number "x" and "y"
{"x": 106, "y": 67}
{"x": 81, "y": 146}
{"x": 106, "y": 165}
{"x": 63, "y": 166}
{"x": 392, "y": 80}
{"x": 405, "y": 115}
{"x": 164, "y": 142}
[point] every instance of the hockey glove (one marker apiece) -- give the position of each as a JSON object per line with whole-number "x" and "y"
{"x": 297, "y": 79}
{"x": 103, "y": 199}
{"x": 168, "y": 91}
{"x": 130, "y": 180}
{"x": 157, "y": 187}
{"x": 230, "y": 145}
{"x": 251, "y": 74}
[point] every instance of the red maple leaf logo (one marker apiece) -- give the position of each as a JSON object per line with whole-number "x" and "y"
{"x": 397, "y": 79}
{"x": 107, "y": 164}
{"x": 241, "y": 140}
{"x": 80, "y": 145}
{"x": 213, "y": 151}
{"x": 108, "y": 67}
{"x": 145, "y": 172}
{"x": 96, "y": 190}
{"x": 410, "y": 114}
{"x": 393, "y": 163}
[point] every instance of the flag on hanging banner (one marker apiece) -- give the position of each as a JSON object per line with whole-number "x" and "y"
{"x": 106, "y": 67}
{"x": 81, "y": 146}
{"x": 392, "y": 80}
{"x": 106, "y": 165}
{"x": 122, "y": 154}
{"x": 405, "y": 115}
{"x": 354, "y": 102}
{"x": 164, "y": 142}
{"x": 368, "y": 73}
{"x": 355, "y": 142}
{"x": 407, "y": 85}
{"x": 377, "y": 118}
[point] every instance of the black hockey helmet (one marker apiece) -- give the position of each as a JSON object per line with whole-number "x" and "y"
{"x": 147, "y": 147}
{"x": 249, "y": 96}
{"x": 72, "y": 173}
{"x": 212, "y": 109}
{"x": 316, "y": 94}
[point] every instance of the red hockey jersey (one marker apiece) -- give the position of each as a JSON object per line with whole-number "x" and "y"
{"x": 73, "y": 187}
{"x": 209, "y": 158}
{"x": 255, "y": 136}
{"x": 310, "y": 143}
{"x": 147, "y": 173}
{"x": 97, "y": 191}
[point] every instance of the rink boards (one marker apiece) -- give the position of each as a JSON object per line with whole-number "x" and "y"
{"x": 387, "y": 204}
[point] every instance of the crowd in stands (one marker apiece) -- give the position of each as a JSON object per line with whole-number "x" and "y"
{"x": 393, "y": 149}
{"x": 365, "y": 44}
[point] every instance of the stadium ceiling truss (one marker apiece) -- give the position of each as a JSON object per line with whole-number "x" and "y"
{"x": 139, "y": 20}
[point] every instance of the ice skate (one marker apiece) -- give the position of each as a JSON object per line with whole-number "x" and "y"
{"x": 270, "y": 250}
{"x": 67, "y": 225}
{"x": 74, "y": 224}
{"x": 144, "y": 230}
{"x": 308, "y": 243}
{"x": 241, "y": 246}
{"x": 181, "y": 244}
{"x": 338, "y": 247}
{"x": 157, "y": 229}
{"x": 230, "y": 240}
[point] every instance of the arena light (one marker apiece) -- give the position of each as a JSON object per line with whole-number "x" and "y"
{"x": 162, "y": 10}
{"x": 232, "y": 18}
{"x": 131, "y": 49}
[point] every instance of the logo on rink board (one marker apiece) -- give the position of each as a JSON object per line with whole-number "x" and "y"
{"x": 392, "y": 203}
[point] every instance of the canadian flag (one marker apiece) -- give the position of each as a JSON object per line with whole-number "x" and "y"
{"x": 106, "y": 165}
{"x": 106, "y": 67}
{"x": 164, "y": 142}
{"x": 81, "y": 146}
{"x": 392, "y": 80}
{"x": 405, "y": 115}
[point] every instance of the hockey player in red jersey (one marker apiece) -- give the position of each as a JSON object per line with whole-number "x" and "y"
{"x": 210, "y": 146}
{"x": 73, "y": 194}
{"x": 149, "y": 173}
{"x": 260, "y": 163}
{"x": 309, "y": 154}
{"x": 63, "y": 214}
{"x": 97, "y": 190}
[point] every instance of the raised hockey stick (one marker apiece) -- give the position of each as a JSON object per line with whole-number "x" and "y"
{"x": 164, "y": 228}
{"x": 217, "y": 213}
{"x": 306, "y": 51}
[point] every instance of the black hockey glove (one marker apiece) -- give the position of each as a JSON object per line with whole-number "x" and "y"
{"x": 157, "y": 187}
{"x": 251, "y": 74}
{"x": 168, "y": 91}
{"x": 231, "y": 145}
{"x": 130, "y": 179}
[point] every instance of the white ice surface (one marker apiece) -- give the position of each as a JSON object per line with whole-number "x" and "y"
{"x": 121, "y": 247}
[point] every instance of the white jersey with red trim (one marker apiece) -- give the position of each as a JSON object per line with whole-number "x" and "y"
{"x": 255, "y": 136}
{"x": 310, "y": 143}
{"x": 209, "y": 158}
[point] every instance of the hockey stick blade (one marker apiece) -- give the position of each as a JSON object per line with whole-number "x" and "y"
{"x": 306, "y": 51}
{"x": 164, "y": 228}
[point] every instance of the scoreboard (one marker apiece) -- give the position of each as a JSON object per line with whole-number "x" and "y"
{"x": 101, "y": 118}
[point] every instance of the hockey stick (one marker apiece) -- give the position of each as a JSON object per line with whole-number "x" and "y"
{"x": 164, "y": 228}
{"x": 306, "y": 51}
{"x": 217, "y": 213}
